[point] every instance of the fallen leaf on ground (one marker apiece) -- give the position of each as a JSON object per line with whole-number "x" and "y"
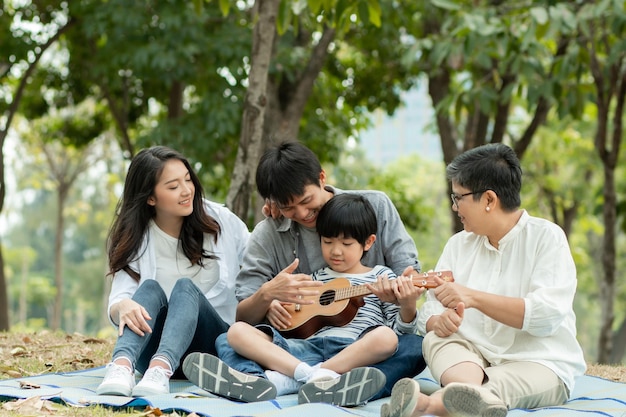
{"x": 94, "y": 340}
{"x": 28, "y": 406}
{"x": 28, "y": 385}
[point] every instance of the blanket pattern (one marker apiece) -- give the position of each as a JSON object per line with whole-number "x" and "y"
{"x": 592, "y": 396}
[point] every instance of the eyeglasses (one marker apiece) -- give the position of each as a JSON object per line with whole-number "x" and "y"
{"x": 456, "y": 197}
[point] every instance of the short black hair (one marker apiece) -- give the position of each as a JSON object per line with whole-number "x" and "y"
{"x": 493, "y": 166}
{"x": 347, "y": 215}
{"x": 285, "y": 170}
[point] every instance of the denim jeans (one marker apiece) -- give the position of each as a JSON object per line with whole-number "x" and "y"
{"x": 406, "y": 362}
{"x": 188, "y": 323}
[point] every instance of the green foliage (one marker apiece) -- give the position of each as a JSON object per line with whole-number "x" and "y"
{"x": 175, "y": 72}
{"x": 497, "y": 53}
{"x": 88, "y": 214}
{"x": 558, "y": 170}
{"x": 417, "y": 189}
{"x": 339, "y": 14}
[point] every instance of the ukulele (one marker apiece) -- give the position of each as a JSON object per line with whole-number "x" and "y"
{"x": 338, "y": 302}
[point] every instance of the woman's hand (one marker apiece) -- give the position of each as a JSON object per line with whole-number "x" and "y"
{"x": 450, "y": 294}
{"x": 448, "y": 322}
{"x": 132, "y": 315}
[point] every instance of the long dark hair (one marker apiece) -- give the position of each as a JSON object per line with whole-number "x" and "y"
{"x": 133, "y": 213}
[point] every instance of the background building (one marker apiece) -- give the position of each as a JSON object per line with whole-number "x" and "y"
{"x": 410, "y": 131}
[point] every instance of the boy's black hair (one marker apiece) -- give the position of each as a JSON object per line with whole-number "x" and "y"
{"x": 349, "y": 216}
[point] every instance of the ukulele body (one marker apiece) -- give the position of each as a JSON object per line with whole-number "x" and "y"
{"x": 326, "y": 310}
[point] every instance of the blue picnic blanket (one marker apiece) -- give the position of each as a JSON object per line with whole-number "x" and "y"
{"x": 592, "y": 396}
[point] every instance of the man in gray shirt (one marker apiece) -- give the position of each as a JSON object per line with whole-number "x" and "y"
{"x": 284, "y": 249}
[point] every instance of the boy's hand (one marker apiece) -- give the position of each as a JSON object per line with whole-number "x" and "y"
{"x": 383, "y": 289}
{"x": 406, "y": 292}
{"x": 278, "y": 316}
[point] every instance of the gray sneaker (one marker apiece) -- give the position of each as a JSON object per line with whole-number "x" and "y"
{"x": 350, "y": 389}
{"x": 404, "y": 397}
{"x": 472, "y": 400}
{"x": 211, "y": 374}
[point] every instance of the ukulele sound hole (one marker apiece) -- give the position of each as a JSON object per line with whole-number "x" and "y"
{"x": 327, "y": 297}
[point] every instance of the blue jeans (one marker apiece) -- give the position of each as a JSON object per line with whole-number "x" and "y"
{"x": 188, "y": 323}
{"x": 406, "y": 362}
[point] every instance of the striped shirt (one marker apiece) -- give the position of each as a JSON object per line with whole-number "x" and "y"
{"x": 374, "y": 313}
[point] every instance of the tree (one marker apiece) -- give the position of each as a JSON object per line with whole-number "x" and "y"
{"x": 57, "y": 136}
{"x": 254, "y": 108}
{"x": 559, "y": 175}
{"x": 484, "y": 60}
{"x": 23, "y": 53}
{"x": 602, "y": 32}
{"x": 331, "y": 64}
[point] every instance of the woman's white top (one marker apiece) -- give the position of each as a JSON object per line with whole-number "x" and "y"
{"x": 216, "y": 279}
{"x": 534, "y": 262}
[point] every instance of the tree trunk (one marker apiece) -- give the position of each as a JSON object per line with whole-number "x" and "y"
{"x": 175, "y": 105}
{"x": 607, "y": 286}
{"x": 293, "y": 103}
{"x": 255, "y": 102}
{"x": 58, "y": 258}
{"x": 619, "y": 345}
{"x": 610, "y": 82}
{"x": 23, "y": 302}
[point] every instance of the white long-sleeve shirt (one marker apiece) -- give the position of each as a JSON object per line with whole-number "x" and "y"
{"x": 229, "y": 249}
{"x": 533, "y": 262}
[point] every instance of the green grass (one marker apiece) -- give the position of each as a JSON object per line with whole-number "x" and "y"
{"x": 29, "y": 354}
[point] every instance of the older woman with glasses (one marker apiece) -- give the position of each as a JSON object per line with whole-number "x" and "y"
{"x": 503, "y": 335}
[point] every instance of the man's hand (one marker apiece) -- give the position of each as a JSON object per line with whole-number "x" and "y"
{"x": 132, "y": 315}
{"x": 448, "y": 322}
{"x": 409, "y": 271}
{"x": 288, "y": 287}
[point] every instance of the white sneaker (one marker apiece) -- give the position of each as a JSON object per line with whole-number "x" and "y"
{"x": 322, "y": 374}
{"x": 118, "y": 380}
{"x": 284, "y": 384}
{"x": 155, "y": 381}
